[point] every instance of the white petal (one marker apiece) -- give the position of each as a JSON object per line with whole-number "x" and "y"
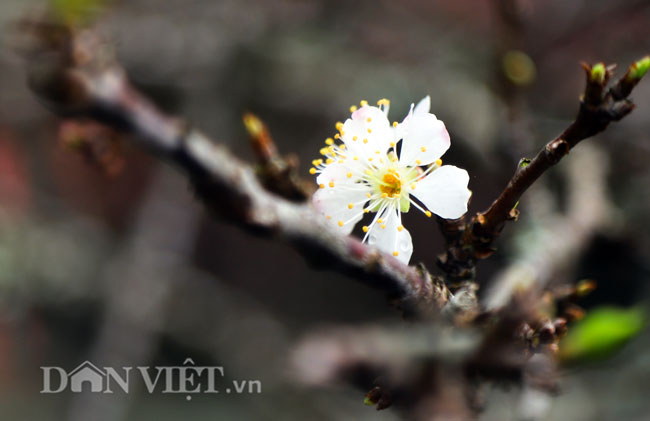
{"x": 370, "y": 124}
{"x": 426, "y": 139}
{"x": 387, "y": 238}
{"x": 424, "y": 106}
{"x": 400, "y": 130}
{"x": 336, "y": 173}
{"x": 444, "y": 191}
{"x": 353, "y": 134}
{"x": 332, "y": 203}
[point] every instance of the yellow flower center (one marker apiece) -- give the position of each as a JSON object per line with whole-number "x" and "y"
{"x": 392, "y": 185}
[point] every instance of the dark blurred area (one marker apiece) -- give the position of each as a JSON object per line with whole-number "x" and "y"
{"x": 113, "y": 260}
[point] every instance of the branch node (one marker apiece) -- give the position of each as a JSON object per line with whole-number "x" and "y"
{"x": 556, "y": 150}
{"x": 278, "y": 174}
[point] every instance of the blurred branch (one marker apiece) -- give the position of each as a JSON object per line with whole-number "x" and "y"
{"x": 599, "y": 107}
{"x": 140, "y": 281}
{"x": 431, "y": 371}
{"x": 323, "y": 357}
{"x": 411, "y": 368}
{"x": 74, "y": 74}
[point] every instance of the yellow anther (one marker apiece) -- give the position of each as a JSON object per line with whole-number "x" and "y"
{"x": 383, "y": 226}
{"x": 331, "y": 150}
{"x": 423, "y": 149}
{"x": 321, "y": 186}
{"x": 418, "y": 162}
{"x": 377, "y": 152}
{"x": 381, "y": 160}
{"x": 363, "y": 103}
{"x": 379, "y": 221}
{"x": 364, "y": 228}
{"x": 355, "y": 158}
{"x": 368, "y": 195}
{"x": 392, "y": 144}
{"x": 370, "y": 159}
{"x": 391, "y": 185}
{"x": 323, "y": 151}
{"x": 439, "y": 162}
{"x": 353, "y": 108}
{"x": 413, "y": 186}
{"x": 350, "y": 205}
{"x": 396, "y": 195}
{"x": 339, "y": 126}
{"x": 368, "y": 172}
{"x": 316, "y": 162}
{"x": 341, "y": 161}
{"x": 337, "y": 136}
{"x": 395, "y": 123}
{"x": 329, "y": 161}
{"x": 342, "y": 147}
{"x": 366, "y": 210}
{"x": 365, "y": 140}
{"x": 329, "y": 141}
{"x": 383, "y": 101}
{"x": 369, "y": 130}
{"x": 384, "y": 195}
{"x": 312, "y": 171}
{"x": 395, "y": 253}
{"x": 331, "y": 184}
{"x": 428, "y": 214}
{"x": 400, "y": 228}
{"x": 342, "y": 132}
{"x": 354, "y": 138}
{"x": 369, "y": 119}
{"x": 349, "y": 175}
{"x": 341, "y": 223}
{"x": 329, "y": 217}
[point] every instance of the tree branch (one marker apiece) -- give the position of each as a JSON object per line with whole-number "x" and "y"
{"x": 588, "y": 210}
{"x": 599, "y": 107}
{"x": 73, "y": 79}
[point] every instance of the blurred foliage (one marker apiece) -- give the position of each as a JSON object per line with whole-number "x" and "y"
{"x": 78, "y": 12}
{"x": 519, "y": 68}
{"x": 601, "y": 333}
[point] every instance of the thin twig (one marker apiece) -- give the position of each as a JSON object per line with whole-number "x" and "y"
{"x": 598, "y": 108}
{"x": 588, "y": 210}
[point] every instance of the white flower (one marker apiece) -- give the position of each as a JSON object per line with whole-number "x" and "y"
{"x": 370, "y": 171}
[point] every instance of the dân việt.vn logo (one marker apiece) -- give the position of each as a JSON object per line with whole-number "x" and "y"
{"x": 184, "y": 379}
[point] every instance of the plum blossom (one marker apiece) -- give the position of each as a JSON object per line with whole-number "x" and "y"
{"x": 371, "y": 166}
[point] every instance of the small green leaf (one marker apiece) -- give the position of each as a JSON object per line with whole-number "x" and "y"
{"x": 368, "y": 401}
{"x": 601, "y": 333}
{"x": 640, "y": 68}
{"x": 598, "y": 72}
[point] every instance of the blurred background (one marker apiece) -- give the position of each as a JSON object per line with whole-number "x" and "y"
{"x": 106, "y": 256}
